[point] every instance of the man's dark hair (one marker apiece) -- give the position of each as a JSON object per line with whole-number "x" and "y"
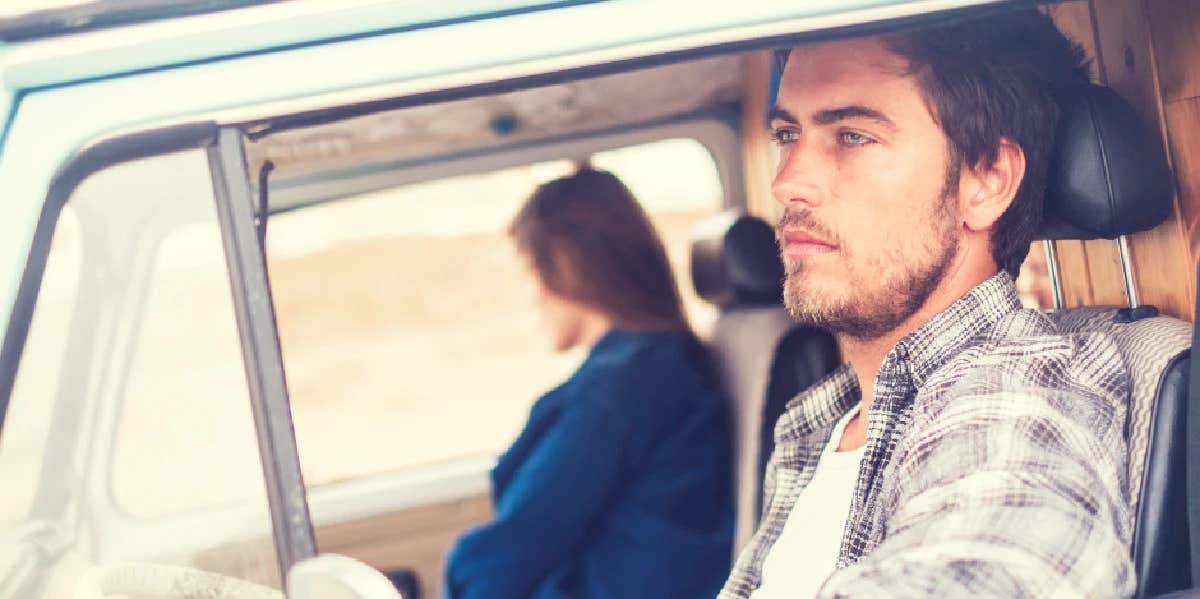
{"x": 988, "y": 78}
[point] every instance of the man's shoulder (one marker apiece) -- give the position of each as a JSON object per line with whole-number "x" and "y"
{"x": 1027, "y": 354}
{"x": 1035, "y": 397}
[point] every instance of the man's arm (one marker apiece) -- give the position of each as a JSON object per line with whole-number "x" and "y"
{"x": 1003, "y": 494}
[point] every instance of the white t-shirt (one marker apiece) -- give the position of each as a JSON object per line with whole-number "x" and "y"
{"x": 806, "y": 552}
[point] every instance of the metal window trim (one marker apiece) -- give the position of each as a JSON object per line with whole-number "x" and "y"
{"x": 291, "y": 522}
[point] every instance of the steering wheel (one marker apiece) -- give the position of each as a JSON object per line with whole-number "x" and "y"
{"x": 156, "y": 581}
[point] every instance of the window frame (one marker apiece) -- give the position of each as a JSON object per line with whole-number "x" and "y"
{"x": 255, "y": 309}
{"x": 197, "y": 126}
{"x": 291, "y": 524}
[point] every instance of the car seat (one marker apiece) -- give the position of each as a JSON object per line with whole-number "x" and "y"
{"x": 1109, "y": 178}
{"x": 764, "y": 358}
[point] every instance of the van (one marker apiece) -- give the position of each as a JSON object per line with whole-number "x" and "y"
{"x": 260, "y": 330}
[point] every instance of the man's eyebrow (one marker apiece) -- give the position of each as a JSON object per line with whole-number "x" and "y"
{"x": 781, "y": 114}
{"x": 833, "y": 115}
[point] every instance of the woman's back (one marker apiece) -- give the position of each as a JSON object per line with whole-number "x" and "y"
{"x": 619, "y": 485}
{"x": 632, "y": 455}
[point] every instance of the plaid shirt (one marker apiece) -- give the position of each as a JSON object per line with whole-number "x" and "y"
{"x": 994, "y": 463}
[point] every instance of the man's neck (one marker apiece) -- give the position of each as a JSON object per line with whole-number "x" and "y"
{"x": 866, "y": 356}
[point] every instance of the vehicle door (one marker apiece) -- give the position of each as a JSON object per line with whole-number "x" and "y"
{"x": 114, "y": 390}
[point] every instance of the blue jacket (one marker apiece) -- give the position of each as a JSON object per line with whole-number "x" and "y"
{"x": 618, "y": 487}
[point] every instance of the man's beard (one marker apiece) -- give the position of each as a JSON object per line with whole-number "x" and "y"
{"x": 880, "y": 301}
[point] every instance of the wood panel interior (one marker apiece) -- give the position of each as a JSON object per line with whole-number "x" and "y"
{"x": 1175, "y": 27}
{"x": 758, "y": 154}
{"x": 1183, "y": 122}
{"x": 417, "y": 539}
{"x": 1176, "y": 39}
{"x": 1145, "y": 60}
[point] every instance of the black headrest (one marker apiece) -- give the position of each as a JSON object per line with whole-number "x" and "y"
{"x": 1108, "y": 175}
{"x": 735, "y": 261}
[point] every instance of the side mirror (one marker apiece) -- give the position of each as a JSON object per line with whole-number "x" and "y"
{"x": 331, "y": 576}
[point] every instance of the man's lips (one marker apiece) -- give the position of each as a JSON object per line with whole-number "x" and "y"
{"x": 801, "y": 243}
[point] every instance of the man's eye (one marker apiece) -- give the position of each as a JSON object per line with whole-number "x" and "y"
{"x": 852, "y": 138}
{"x": 784, "y": 136}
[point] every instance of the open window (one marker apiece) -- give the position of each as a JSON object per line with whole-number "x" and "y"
{"x": 406, "y": 332}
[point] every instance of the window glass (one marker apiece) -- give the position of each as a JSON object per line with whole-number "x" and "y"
{"x": 130, "y": 423}
{"x": 206, "y": 428}
{"x": 407, "y": 339}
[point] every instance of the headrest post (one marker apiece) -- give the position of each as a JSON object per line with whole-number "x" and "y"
{"x": 1127, "y": 270}
{"x": 1052, "y": 268}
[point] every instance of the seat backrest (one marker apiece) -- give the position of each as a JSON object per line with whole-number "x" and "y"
{"x": 1109, "y": 177}
{"x": 1162, "y": 547}
{"x": 803, "y": 356}
{"x": 736, "y": 266}
{"x": 743, "y": 345}
{"x": 1156, "y": 354}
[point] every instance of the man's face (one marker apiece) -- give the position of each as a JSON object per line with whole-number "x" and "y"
{"x": 870, "y": 222}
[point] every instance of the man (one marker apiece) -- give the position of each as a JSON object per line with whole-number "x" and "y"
{"x": 967, "y": 448}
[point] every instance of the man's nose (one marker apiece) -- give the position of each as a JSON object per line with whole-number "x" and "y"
{"x": 798, "y": 178}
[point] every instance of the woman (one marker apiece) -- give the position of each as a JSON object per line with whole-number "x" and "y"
{"x": 619, "y": 485}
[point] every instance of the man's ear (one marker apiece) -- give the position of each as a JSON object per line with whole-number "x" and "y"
{"x": 987, "y": 190}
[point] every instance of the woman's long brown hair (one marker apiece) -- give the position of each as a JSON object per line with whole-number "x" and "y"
{"x": 590, "y": 242}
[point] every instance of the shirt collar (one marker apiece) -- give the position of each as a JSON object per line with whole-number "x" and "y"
{"x": 820, "y": 406}
{"x": 917, "y": 355}
{"x": 926, "y": 349}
